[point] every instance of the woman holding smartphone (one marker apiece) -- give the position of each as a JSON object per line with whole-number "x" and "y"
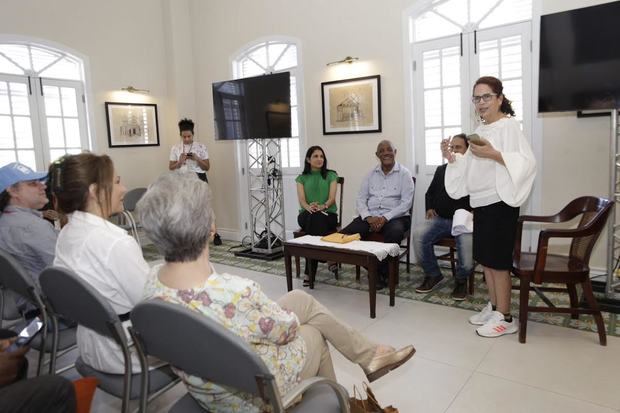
{"x": 189, "y": 155}
{"x": 497, "y": 172}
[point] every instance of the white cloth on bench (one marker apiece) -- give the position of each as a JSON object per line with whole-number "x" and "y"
{"x": 378, "y": 249}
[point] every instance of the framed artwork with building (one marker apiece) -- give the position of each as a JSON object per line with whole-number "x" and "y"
{"x": 132, "y": 124}
{"x": 352, "y": 105}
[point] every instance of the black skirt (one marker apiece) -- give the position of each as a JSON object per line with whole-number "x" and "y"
{"x": 495, "y": 229}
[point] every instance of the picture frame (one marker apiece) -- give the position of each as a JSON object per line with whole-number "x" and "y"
{"x": 351, "y": 105}
{"x": 132, "y": 124}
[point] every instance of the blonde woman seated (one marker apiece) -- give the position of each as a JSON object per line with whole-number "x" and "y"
{"x": 290, "y": 334}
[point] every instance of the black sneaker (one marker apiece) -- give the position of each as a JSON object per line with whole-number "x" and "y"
{"x": 460, "y": 290}
{"x": 428, "y": 284}
{"x": 217, "y": 240}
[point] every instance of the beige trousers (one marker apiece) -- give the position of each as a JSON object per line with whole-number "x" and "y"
{"x": 318, "y": 325}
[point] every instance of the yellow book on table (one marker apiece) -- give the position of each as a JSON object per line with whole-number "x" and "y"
{"x": 339, "y": 238}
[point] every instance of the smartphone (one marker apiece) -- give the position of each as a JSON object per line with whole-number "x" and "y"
{"x": 475, "y": 139}
{"x": 26, "y": 335}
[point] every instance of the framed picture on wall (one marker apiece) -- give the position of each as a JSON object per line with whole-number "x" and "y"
{"x": 132, "y": 124}
{"x": 352, "y": 105}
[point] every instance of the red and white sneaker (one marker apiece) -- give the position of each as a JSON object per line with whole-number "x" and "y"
{"x": 497, "y": 326}
{"x": 483, "y": 316}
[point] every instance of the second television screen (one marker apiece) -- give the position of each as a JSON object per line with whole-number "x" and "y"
{"x": 253, "y": 108}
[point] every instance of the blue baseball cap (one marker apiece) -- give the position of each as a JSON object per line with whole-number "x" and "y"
{"x": 16, "y": 172}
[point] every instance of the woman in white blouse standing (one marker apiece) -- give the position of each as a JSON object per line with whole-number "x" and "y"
{"x": 497, "y": 172}
{"x": 105, "y": 256}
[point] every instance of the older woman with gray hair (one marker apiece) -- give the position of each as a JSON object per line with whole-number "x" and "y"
{"x": 290, "y": 334}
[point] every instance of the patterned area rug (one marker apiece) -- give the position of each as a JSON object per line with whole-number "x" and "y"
{"x": 224, "y": 254}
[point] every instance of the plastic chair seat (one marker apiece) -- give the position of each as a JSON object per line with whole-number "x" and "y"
{"x": 187, "y": 404}
{"x": 113, "y": 383}
{"x": 66, "y": 339}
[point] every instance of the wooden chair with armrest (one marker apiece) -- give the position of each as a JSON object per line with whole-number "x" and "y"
{"x": 543, "y": 267}
{"x": 405, "y": 244}
{"x": 301, "y": 233}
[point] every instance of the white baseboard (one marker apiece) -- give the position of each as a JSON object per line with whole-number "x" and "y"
{"x": 229, "y": 234}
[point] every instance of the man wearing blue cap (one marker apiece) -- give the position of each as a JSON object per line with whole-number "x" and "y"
{"x": 23, "y": 232}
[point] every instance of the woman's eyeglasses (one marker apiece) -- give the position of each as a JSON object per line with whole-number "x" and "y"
{"x": 486, "y": 97}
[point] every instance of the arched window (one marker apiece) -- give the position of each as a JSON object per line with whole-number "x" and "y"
{"x": 42, "y": 104}
{"x": 273, "y": 56}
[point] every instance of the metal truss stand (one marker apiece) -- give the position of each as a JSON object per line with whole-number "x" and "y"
{"x": 266, "y": 197}
{"x": 610, "y": 284}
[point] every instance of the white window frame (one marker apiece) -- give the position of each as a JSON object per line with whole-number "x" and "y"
{"x": 37, "y": 112}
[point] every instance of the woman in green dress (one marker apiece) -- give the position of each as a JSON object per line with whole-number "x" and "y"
{"x": 316, "y": 192}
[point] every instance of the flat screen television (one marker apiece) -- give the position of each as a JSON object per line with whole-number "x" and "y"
{"x": 580, "y": 59}
{"x": 253, "y": 107}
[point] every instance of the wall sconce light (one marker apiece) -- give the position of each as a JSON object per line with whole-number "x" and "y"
{"x": 347, "y": 59}
{"x": 132, "y": 89}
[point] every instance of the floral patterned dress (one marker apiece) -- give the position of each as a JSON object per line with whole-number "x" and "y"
{"x": 240, "y": 305}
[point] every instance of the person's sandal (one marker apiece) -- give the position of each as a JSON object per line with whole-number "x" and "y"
{"x": 333, "y": 267}
{"x": 382, "y": 364}
{"x": 306, "y": 281}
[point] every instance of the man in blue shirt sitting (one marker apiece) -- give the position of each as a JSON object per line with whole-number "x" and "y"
{"x": 24, "y": 234}
{"x": 383, "y": 202}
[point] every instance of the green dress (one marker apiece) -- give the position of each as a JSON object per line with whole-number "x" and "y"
{"x": 316, "y": 188}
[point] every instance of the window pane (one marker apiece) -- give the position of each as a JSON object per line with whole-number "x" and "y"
{"x": 64, "y": 69}
{"x": 42, "y": 58}
{"x": 52, "y": 100}
{"x": 433, "y": 152}
{"x": 55, "y": 133}
{"x": 432, "y": 108}
{"x": 249, "y": 68}
{"x": 72, "y": 132}
{"x": 23, "y": 132}
{"x": 293, "y": 90}
{"x": 19, "y": 98}
{"x": 17, "y": 53}
{"x": 6, "y": 132}
{"x": 6, "y": 66}
{"x": 451, "y": 66}
{"x": 6, "y": 157}
{"x": 511, "y": 57}
{"x": 508, "y": 11}
{"x": 74, "y": 151}
{"x": 69, "y": 101}
{"x": 449, "y": 132}
{"x": 452, "y": 106}
{"x": 431, "y": 26}
{"x": 259, "y": 56}
{"x": 284, "y": 153}
{"x": 5, "y": 108}
{"x": 275, "y": 51}
{"x": 294, "y": 122}
{"x": 56, "y": 153}
{"x": 27, "y": 158}
{"x": 288, "y": 59}
{"x": 489, "y": 58}
{"x": 293, "y": 150}
{"x": 455, "y": 10}
{"x": 431, "y": 69}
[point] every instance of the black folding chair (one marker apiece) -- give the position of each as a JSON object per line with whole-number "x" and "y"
{"x": 199, "y": 346}
{"x": 71, "y": 297}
